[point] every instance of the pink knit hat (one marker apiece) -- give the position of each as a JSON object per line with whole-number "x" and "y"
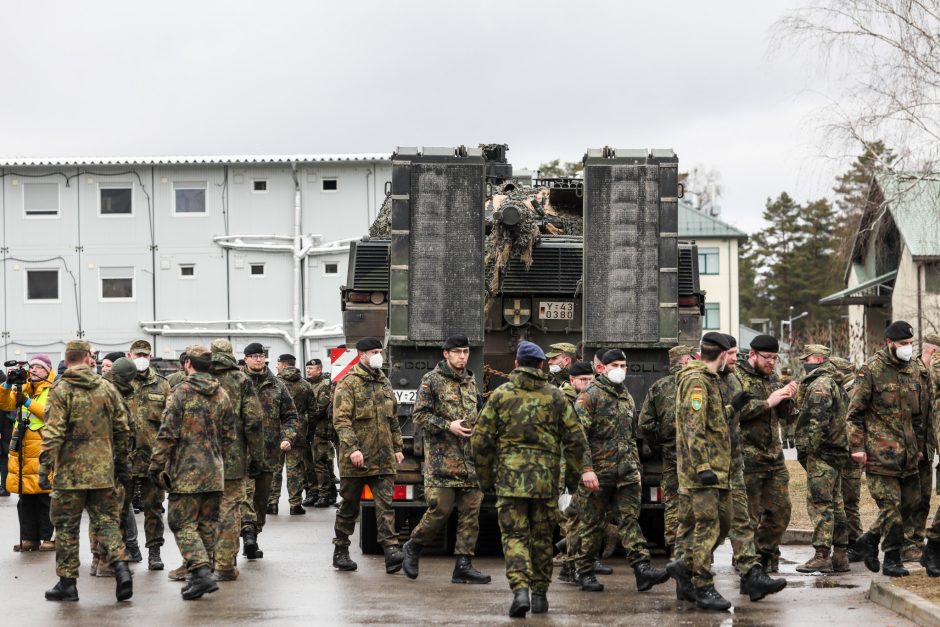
{"x": 42, "y": 360}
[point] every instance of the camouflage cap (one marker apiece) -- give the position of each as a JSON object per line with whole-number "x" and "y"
{"x": 932, "y": 338}
{"x": 680, "y": 351}
{"x": 815, "y": 349}
{"x": 199, "y": 355}
{"x": 123, "y": 370}
{"x": 78, "y": 345}
{"x": 843, "y": 365}
{"x": 221, "y": 345}
{"x": 561, "y": 347}
{"x": 140, "y": 347}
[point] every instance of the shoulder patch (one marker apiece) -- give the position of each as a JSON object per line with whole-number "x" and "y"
{"x": 697, "y": 397}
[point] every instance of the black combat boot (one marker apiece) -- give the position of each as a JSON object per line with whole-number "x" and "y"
{"x": 123, "y": 582}
{"x": 567, "y": 574}
{"x": 412, "y": 551}
{"x": 708, "y": 598}
{"x": 297, "y": 510}
{"x": 867, "y": 547}
{"x": 133, "y": 553}
{"x": 394, "y": 558}
{"x": 931, "y": 558}
{"x": 539, "y": 603}
{"x": 341, "y": 559}
{"x": 272, "y": 509}
{"x": 602, "y": 569}
{"x": 854, "y": 554}
{"x": 153, "y": 558}
{"x": 322, "y": 501}
{"x": 892, "y": 566}
{"x": 250, "y": 545}
{"x": 464, "y": 572}
{"x": 202, "y": 583}
{"x": 588, "y": 582}
{"x": 756, "y": 584}
{"x": 311, "y": 500}
{"x": 685, "y": 591}
{"x": 520, "y": 603}
{"x": 647, "y": 576}
{"x": 65, "y": 590}
{"x": 561, "y": 547}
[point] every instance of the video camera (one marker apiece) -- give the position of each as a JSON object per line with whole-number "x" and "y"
{"x": 17, "y": 374}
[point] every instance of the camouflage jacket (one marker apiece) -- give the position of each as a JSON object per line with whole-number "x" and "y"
{"x": 196, "y": 430}
{"x": 760, "y": 423}
{"x": 86, "y": 430}
{"x": 935, "y": 396}
{"x": 657, "y": 422}
{"x": 608, "y": 415}
{"x": 520, "y": 435}
{"x": 278, "y": 417}
{"x": 322, "y": 390}
{"x": 886, "y": 415}
{"x": 703, "y": 435}
{"x": 176, "y": 378}
{"x": 248, "y": 443}
{"x": 560, "y": 378}
{"x": 365, "y": 419}
{"x": 146, "y": 404}
{"x": 445, "y": 396}
{"x": 729, "y": 385}
{"x": 820, "y": 424}
{"x": 302, "y": 394}
{"x": 570, "y": 393}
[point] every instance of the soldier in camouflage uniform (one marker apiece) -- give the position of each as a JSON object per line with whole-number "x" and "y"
{"x": 320, "y": 477}
{"x": 278, "y": 434}
{"x": 446, "y": 410}
{"x": 303, "y": 396}
{"x": 84, "y": 443}
{"x": 180, "y": 375}
{"x": 517, "y": 447}
{"x": 611, "y": 475}
{"x": 146, "y": 405}
{"x": 188, "y": 461}
{"x": 915, "y": 526}
{"x": 765, "y": 473}
{"x": 560, "y": 357}
{"x": 886, "y": 431}
{"x": 370, "y": 445}
{"x": 931, "y": 557}
{"x": 851, "y": 472}
{"x": 657, "y": 425}
{"x": 823, "y": 449}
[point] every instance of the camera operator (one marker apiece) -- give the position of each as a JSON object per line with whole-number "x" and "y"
{"x": 27, "y": 400}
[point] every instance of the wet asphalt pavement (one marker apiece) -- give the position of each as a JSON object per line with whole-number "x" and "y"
{"x": 295, "y": 584}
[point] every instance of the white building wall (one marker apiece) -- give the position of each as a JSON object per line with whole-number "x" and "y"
{"x": 722, "y": 288}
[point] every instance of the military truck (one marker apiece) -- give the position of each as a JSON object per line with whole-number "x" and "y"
{"x": 593, "y": 261}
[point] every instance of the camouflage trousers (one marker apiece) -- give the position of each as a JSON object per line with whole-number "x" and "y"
{"x": 851, "y": 495}
{"x": 66, "y": 513}
{"x": 740, "y": 532}
{"x": 97, "y": 548}
{"x": 323, "y": 457}
{"x": 595, "y": 507}
{"x": 568, "y": 527}
{"x": 441, "y": 502}
{"x": 194, "y": 521}
{"x": 350, "y": 488}
{"x": 897, "y": 499}
{"x": 916, "y": 524}
{"x": 254, "y": 508}
{"x": 151, "y": 498}
{"x": 824, "y": 503}
{"x": 526, "y": 526}
{"x": 768, "y": 499}
{"x": 669, "y": 485}
{"x": 226, "y": 545}
{"x": 708, "y": 520}
{"x": 294, "y": 461}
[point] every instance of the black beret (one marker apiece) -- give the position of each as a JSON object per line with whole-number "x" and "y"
{"x": 718, "y": 339}
{"x": 580, "y": 368}
{"x": 456, "y": 341}
{"x": 765, "y": 343}
{"x": 314, "y": 362}
{"x": 731, "y": 340}
{"x": 368, "y": 344}
{"x": 254, "y": 349}
{"x": 287, "y": 357}
{"x": 113, "y": 357}
{"x": 614, "y": 354}
{"x": 599, "y": 353}
{"x": 899, "y": 330}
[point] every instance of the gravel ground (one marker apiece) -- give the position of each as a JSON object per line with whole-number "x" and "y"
{"x": 799, "y": 517}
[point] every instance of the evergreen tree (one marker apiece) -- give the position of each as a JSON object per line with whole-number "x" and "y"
{"x": 852, "y": 195}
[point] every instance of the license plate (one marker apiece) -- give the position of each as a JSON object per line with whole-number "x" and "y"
{"x": 556, "y": 310}
{"x": 406, "y": 396}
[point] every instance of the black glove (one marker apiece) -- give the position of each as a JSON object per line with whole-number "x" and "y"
{"x": 121, "y": 472}
{"x": 20, "y": 397}
{"x": 740, "y": 400}
{"x": 44, "y": 482}
{"x": 253, "y": 471}
{"x": 154, "y": 475}
{"x": 708, "y": 478}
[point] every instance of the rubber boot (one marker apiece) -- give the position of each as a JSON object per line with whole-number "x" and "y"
{"x": 819, "y": 563}
{"x": 840, "y": 559}
{"x": 588, "y": 582}
{"x": 685, "y": 591}
{"x": 892, "y": 566}
{"x": 203, "y": 583}
{"x": 65, "y": 590}
{"x": 520, "y": 603}
{"x": 123, "y": 581}
{"x": 602, "y": 569}
{"x": 412, "y": 551}
{"x": 341, "y": 559}
{"x": 867, "y": 547}
{"x": 464, "y": 572}
{"x": 708, "y": 598}
{"x": 647, "y": 576}
{"x": 394, "y": 558}
{"x": 153, "y": 558}
{"x": 756, "y": 584}
{"x": 930, "y": 560}
{"x": 539, "y": 603}
{"x": 250, "y": 545}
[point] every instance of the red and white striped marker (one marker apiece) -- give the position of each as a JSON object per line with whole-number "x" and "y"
{"x": 342, "y": 360}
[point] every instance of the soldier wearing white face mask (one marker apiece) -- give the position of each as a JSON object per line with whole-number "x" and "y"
{"x": 560, "y": 358}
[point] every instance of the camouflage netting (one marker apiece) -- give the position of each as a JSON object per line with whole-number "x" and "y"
{"x": 382, "y": 226}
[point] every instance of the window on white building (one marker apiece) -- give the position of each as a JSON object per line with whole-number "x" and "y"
{"x": 187, "y": 271}
{"x": 117, "y": 283}
{"x": 330, "y": 185}
{"x": 189, "y": 198}
{"x": 708, "y": 261}
{"x": 331, "y": 268}
{"x": 42, "y": 285}
{"x": 116, "y": 199}
{"x": 712, "y": 316}
{"x": 932, "y": 277}
{"x": 41, "y": 200}
{"x": 256, "y": 269}
{"x": 259, "y": 185}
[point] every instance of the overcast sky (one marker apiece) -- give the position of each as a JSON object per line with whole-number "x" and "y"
{"x": 549, "y": 78}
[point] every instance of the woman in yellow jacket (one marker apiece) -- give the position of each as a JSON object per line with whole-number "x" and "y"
{"x": 23, "y": 471}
